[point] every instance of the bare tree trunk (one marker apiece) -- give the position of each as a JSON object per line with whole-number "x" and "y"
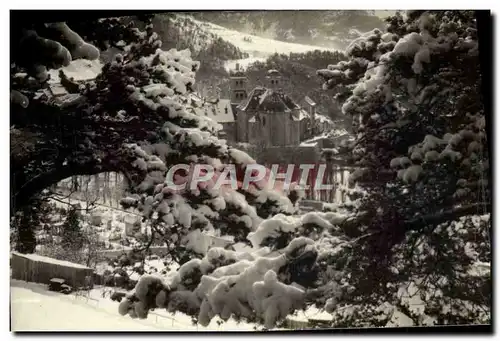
{"x": 97, "y": 186}
{"x": 74, "y": 183}
{"x": 105, "y": 187}
{"x": 332, "y": 172}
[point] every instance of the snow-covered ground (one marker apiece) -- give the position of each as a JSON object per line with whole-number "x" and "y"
{"x": 34, "y": 308}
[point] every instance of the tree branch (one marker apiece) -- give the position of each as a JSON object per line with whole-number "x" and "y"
{"x": 448, "y": 215}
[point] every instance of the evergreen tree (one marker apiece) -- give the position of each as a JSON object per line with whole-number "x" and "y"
{"x": 25, "y": 241}
{"x": 72, "y": 234}
{"x": 26, "y": 222}
{"x": 423, "y": 161}
{"x": 420, "y": 227}
{"x": 418, "y": 234}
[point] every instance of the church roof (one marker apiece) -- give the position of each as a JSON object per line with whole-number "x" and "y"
{"x": 219, "y": 110}
{"x": 262, "y": 99}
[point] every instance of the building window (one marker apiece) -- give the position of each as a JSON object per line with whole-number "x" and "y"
{"x": 264, "y": 121}
{"x": 225, "y": 109}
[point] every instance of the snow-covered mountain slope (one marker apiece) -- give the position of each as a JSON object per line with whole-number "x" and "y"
{"x": 255, "y": 44}
{"x": 258, "y": 48}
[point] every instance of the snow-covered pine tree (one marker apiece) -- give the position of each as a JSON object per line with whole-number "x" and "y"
{"x": 150, "y": 87}
{"x": 51, "y": 149}
{"x": 415, "y": 241}
{"x": 147, "y": 84}
{"x": 424, "y": 223}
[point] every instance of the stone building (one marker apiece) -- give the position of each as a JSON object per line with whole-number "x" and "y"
{"x": 219, "y": 110}
{"x": 267, "y": 116}
{"x": 274, "y": 129}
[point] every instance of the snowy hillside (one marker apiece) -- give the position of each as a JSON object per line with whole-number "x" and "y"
{"x": 258, "y": 48}
{"x": 255, "y": 44}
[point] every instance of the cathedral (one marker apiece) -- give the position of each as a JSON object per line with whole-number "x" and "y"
{"x": 267, "y": 116}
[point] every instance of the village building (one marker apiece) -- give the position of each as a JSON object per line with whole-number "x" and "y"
{"x": 217, "y": 109}
{"x": 275, "y": 129}
{"x": 267, "y": 116}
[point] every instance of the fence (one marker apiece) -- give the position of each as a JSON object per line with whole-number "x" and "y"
{"x": 40, "y": 269}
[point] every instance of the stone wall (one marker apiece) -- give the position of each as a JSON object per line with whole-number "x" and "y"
{"x": 272, "y": 129}
{"x": 285, "y": 154}
{"x": 229, "y": 129}
{"x": 242, "y": 126}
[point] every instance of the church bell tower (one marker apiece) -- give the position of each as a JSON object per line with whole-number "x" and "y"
{"x": 238, "y": 86}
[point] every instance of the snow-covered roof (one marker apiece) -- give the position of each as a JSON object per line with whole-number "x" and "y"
{"x": 79, "y": 70}
{"x": 58, "y": 89}
{"x": 309, "y": 101}
{"x": 221, "y": 111}
{"x": 263, "y": 99}
{"x": 323, "y": 119}
{"x": 332, "y": 151}
{"x": 38, "y": 258}
{"x": 131, "y": 219}
{"x": 330, "y": 134}
{"x": 309, "y": 144}
{"x": 302, "y": 115}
